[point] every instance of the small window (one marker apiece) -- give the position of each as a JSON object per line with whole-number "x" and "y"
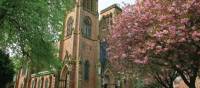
{"x": 84, "y": 4}
{"x": 24, "y": 71}
{"x": 89, "y": 5}
{"x": 93, "y": 5}
{"x": 33, "y": 84}
{"x": 86, "y": 70}
{"x": 87, "y": 27}
{"x": 69, "y": 26}
{"x": 46, "y": 83}
{"x": 22, "y": 85}
{"x": 103, "y": 52}
{"x": 39, "y": 83}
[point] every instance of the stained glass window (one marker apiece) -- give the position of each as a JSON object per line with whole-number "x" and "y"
{"x": 87, "y": 27}
{"x": 86, "y": 70}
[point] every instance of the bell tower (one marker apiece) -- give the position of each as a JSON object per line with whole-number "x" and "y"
{"x": 80, "y": 43}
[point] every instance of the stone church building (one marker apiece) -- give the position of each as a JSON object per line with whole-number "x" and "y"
{"x": 82, "y": 50}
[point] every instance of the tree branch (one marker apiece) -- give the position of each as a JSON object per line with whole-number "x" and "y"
{"x": 182, "y": 75}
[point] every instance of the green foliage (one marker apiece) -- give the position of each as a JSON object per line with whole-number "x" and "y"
{"x": 58, "y": 9}
{"x": 17, "y": 63}
{"x": 133, "y": 82}
{"x": 30, "y": 30}
{"x": 153, "y": 85}
{"x": 138, "y": 83}
{"x": 7, "y": 71}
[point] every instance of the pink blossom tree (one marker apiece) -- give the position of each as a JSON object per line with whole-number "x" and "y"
{"x": 166, "y": 32}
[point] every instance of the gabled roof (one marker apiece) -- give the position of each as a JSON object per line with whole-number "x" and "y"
{"x": 111, "y": 7}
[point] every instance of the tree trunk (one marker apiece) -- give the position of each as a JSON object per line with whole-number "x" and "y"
{"x": 192, "y": 82}
{"x": 192, "y": 85}
{"x": 192, "y": 77}
{"x": 165, "y": 82}
{"x": 171, "y": 85}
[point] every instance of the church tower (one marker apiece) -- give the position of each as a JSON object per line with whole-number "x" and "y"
{"x": 79, "y": 49}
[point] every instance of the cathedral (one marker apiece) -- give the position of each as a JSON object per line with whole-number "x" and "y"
{"x": 82, "y": 51}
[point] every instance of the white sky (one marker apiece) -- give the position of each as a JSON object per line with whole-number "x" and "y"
{"x": 105, "y": 3}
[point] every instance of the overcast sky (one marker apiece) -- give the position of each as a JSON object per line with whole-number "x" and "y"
{"x": 105, "y": 3}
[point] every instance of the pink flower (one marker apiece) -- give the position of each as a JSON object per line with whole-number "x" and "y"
{"x": 158, "y": 47}
{"x": 158, "y": 34}
{"x": 165, "y": 49}
{"x": 165, "y": 31}
{"x": 186, "y": 6}
{"x": 177, "y": 11}
{"x": 182, "y": 40}
{"x": 124, "y": 55}
{"x": 196, "y": 39}
{"x": 174, "y": 3}
{"x": 171, "y": 8}
{"x": 167, "y": 20}
{"x": 172, "y": 27}
{"x": 194, "y": 34}
{"x": 129, "y": 34}
{"x": 194, "y": 27}
{"x": 184, "y": 20}
{"x": 115, "y": 57}
{"x": 162, "y": 17}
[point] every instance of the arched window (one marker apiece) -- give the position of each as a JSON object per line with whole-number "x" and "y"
{"x": 106, "y": 81}
{"x": 85, "y": 4}
{"x": 70, "y": 22}
{"x": 46, "y": 83}
{"x": 89, "y": 5}
{"x": 103, "y": 52}
{"x": 22, "y": 85}
{"x": 93, "y": 5}
{"x": 86, "y": 70}
{"x": 33, "y": 84}
{"x": 87, "y": 27}
{"x": 39, "y": 83}
{"x": 24, "y": 71}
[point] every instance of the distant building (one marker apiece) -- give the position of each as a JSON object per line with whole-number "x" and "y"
{"x": 109, "y": 77}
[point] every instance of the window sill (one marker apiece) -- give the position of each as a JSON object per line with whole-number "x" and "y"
{"x": 88, "y": 38}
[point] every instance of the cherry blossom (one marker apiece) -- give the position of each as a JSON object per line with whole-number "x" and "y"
{"x": 166, "y": 29}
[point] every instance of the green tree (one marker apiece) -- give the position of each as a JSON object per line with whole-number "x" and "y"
{"x": 30, "y": 29}
{"x": 7, "y": 71}
{"x": 166, "y": 31}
